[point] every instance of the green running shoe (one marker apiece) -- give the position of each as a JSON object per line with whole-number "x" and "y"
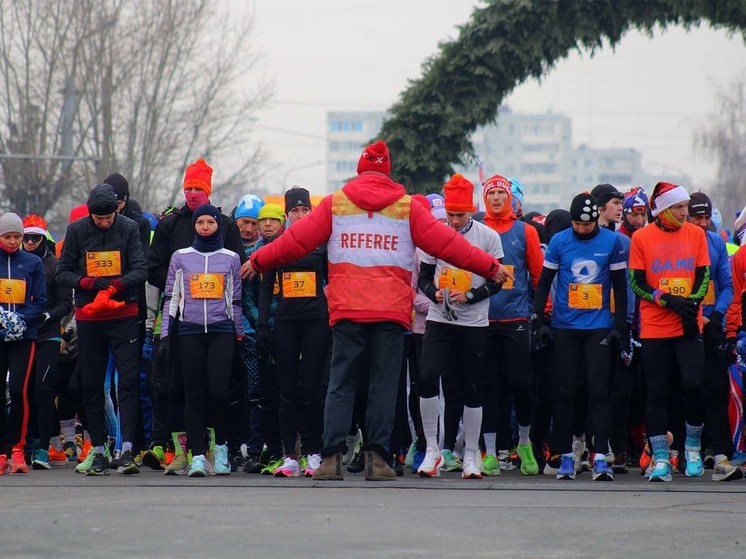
{"x": 529, "y": 467}
{"x": 272, "y": 465}
{"x": 451, "y": 462}
{"x": 490, "y": 465}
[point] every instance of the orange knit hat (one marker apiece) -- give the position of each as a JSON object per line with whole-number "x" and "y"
{"x": 35, "y": 224}
{"x": 199, "y": 175}
{"x": 459, "y": 194}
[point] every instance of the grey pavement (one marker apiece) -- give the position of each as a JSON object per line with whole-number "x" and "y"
{"x": 62, "y": 514}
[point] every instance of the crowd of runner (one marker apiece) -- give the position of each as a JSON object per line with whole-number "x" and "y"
{"x": 376, "y": 332}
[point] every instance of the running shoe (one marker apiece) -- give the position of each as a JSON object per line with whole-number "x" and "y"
{"x": 529, "y": 467}
{"x": 432, "y": 464}
{"x": 451, "y": 462}
{"x": 354, "y": 446}
{"x": 620, "y": 463}
{"x": 709, "y": 459}
{"x": 84, "y": 447}
{"x": 409, "y": 458}
{"x": 155, "y": 458}
{"x": 694, "y": 465}
{"x": 3, "y": 463}
{"x": 419, "y": 456}
{"x": 198, "y": 468}
{"x": 57, "y": 457}
{"x": 567, "y": 467}
{"x": 86, "y": 464}
{"x": 739, "y": 458}
{"x": 221, "y": 465}
{"x": 602, "y": 471}
{"x": 470, "y": 469}
{"x": 179, "y": 466}
{"x": 506, "y": 462}
{"x": 71, "y": 451}
{"x": 99, "y": 464}
{"x": 553, "y": 465}
{"x": 357, "y": 464}
{"x": 661, "y": 471}
{"x": 114, "y": 462}
{"x": 126, "y": 464}
{"x": 490, "y": 465}
{"x": 289, "y": 468}
{"x": 272, "y": 465}
{"x": 578, "y": 450}
{"x": 673, "y": 458}
{"x": 313, "y": 461}
{"x": 396, "y": 465}
{"x": 726, "y": 471}
{"x": 253, "y": 465}
{"x": 40, "y": 460}
{"x": 646, "y": 458}
{"x": 18, "y": 462}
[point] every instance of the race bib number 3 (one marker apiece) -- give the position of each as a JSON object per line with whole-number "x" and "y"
{"x": 710, "y": 295}
{"x": 206, "y": 286}
{"x": 103, "y": 264}
{"x": 509, "y": 282}
{"x": 453, "y": 278}
{"x": 298, "y": 284}
{"x": 585, "y": 296}
{"x": 676, "y": 286}
{"x": 12, "y": 291}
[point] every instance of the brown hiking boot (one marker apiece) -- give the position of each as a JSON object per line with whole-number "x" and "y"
{"x": 330, "y": 469}
{"x": 376, "y": 468}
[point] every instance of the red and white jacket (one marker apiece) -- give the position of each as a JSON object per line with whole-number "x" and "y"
{"x": 372, "y": 228}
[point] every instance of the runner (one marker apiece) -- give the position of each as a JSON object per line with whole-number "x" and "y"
{"x": 669, "y": 271}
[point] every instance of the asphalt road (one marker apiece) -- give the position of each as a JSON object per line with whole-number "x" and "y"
{"x": 60, "y": 514}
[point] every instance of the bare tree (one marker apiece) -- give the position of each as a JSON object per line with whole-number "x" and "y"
{"x": 724, "y": 137}
{"x": 133, "y": 86}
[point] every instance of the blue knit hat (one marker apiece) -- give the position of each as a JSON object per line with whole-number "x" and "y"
{"x": 249, "y": 206}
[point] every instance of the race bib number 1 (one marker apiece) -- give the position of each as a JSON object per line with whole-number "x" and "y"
{"x": 12, "y": 291}
{"x": 206, "y": 286}
{"x": 585, "y": 296}
{"x": 453, "y": 278}
{"x": 103, "y": 264}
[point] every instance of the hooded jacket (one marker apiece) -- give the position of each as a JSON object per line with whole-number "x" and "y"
{"x": 21, "y": 265}
{"x": 372, "y": 227}
{"x": 59, "y": 298}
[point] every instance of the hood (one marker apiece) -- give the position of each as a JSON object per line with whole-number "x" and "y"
{"x": 373, "y": 191}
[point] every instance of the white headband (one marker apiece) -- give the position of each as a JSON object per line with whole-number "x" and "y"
{"x": 670, "y": 198}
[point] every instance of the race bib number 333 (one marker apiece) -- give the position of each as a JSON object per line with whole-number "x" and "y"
{"x": 103, "y": 264}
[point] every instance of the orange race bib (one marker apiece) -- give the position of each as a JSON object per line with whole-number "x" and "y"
{"x": 298, "y": 284}
{"x": 103, "y": 264}
{"x": 585, "y": 296}
{"x": 453, "y": 278}
{"x": 676, "y": 286}
{"x": 12, "y": 291}
{"x": 206, "y": 286}
{"x": 509, "y": 282}
{"x": 710, "y": 295}
{"x": 276, "y": 287}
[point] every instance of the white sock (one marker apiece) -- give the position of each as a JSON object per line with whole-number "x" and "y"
{"x": 126, "y": 447}
{"x": 523, "y": 437}
{"x": 430, "y": 410}
{"x": 56, "y": 443}
{"x": 490, "y": 443}
{"x": 598, "y": 456}
{"x": 99, "y": 449}
{"x": 67, "y": 428}
{"x": 472, "y": 426}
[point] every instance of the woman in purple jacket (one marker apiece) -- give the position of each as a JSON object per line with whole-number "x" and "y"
{"x": 203, "y": 289}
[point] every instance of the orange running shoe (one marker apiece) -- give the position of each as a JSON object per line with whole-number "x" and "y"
{"x": 645, "y": 457}
{"x": 83, "y": 449}
{"x": 3, "y": 463}
{"x": 57, "y": 457}
{"x": 169, "y": 456}
{"x": 18, "y": 462}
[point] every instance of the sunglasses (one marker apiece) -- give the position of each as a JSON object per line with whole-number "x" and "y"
{"x": 32, "y": 238}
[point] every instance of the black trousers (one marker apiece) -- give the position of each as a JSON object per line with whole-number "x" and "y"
{"x": 94, "y": 339}
{"x": 578, "y": 352}
{"x": 206, "y": 360}
{"x": 48, "y": 384}
{"x": 717, "y": 395}
{"x": 684, "y": 357}
{"x": 302, "y": 347}
{"x": 16, "y": 358}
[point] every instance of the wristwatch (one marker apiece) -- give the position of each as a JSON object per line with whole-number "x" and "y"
{"x": 469, "y": 295}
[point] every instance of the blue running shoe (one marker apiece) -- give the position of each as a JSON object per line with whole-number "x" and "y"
{"x": 739, "y": 458}
{"x": 567, "y": 467}
{"x": 222, "y": 466}
{"x": 419, "y": 456}
{"x": 661, "y": 471}
{"x": 694, "y": 465}
{"x": 601, "y": 470}
{"x": 198, "y": 466}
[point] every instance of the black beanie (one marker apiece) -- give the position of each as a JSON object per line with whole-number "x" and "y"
{"x": 120, "y": 185}
{"x": 605, "y": 192}
{"x": 700, "y": 204}
{"x": 584, "y": 208}
{"x": 556, "y": 221}
{"x": 102, "y": 200}
{"x": 295, "y": 197}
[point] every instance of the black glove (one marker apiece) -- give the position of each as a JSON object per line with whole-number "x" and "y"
{"x": 713, "y": 330}
{"x": 687, "y": 309}
{"x": 99, "y": 284}
{"x": 730, "y": 350}
{"x": 264, "y": 337}
{"x": 613, "y": 338}
{"x": 164, "y": 349}
{"x": 540, "y": 331}
{"x": 691, "y": 326}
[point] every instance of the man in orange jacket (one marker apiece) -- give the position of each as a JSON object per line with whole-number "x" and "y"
{"x": 372, "y": 228}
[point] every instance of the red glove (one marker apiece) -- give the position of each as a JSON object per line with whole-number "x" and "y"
{"x": 103, "y": 302}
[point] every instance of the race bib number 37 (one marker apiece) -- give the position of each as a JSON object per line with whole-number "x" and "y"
{"x": 103, "y": 264}
{"x": 298, "y": 284}
{"x": 12, "y": 291}
{"x": 585, "y": 296}
{"x": 206, "y": 286}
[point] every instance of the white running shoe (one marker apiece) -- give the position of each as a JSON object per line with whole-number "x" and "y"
{"x": 578, "y": 451}
{"x": 313, "y": 461}
{"x": 431, "y": 464}
{"x": 470, "y": 470}
{"x": 354, "y": 445}
{"x": 289, "y": 468}
{"x": 506, "y": 462}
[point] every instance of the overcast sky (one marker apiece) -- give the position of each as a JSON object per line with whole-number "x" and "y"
{"x": 651, "y": 95}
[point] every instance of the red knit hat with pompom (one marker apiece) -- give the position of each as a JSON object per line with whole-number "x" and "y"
{"x": 375, "y": 157}
{"x": 459, "y": 194}
{"x": 35, "y": 225}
